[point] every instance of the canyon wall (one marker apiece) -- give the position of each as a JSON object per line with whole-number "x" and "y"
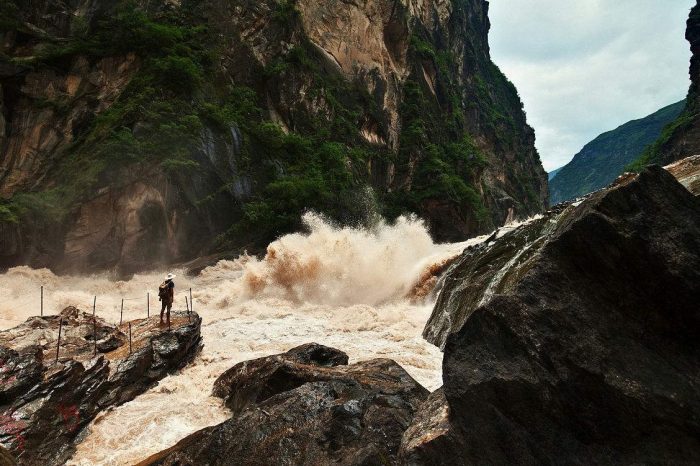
{"x": 137, "y": 134}
{"x": 681, "y": 138}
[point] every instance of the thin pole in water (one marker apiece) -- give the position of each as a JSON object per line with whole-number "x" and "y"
{"x": 42, "y": 300}
{"x": 94, "y": 333}
{"x": 94, "y": 303}
{"x": 129, "y": 337}
{"x": 187, "y": 306}
{"x": 191, "y": 302}
{"x": 58, "y": 342}
{"x": 148, "y": 305}
{"x": 121, "y": 313}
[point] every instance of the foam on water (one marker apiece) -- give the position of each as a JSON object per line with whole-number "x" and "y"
{"x": 342, "y": 287}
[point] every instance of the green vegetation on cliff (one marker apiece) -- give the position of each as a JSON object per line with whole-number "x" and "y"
{"x": 240, "y": 125}
{"x": 607, "y": 156}
{"x": 160, "y": 116}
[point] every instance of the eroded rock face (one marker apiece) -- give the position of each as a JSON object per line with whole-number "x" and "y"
{"x": 47, "y": 112}
{"x": 368, "y": 65}
{"x": 305, "y": 407}
{"x": 687, "y": 172}
{"x": 580, "y": 345}
{"x": 431, "y": 439}
{"x": 683, "y": 138}
{"x": 45, "y": 402}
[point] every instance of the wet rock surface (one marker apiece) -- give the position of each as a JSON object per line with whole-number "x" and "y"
{"x": 305, "y": 406}
{"x": 45, "y": 402}
{"x": 579, "y": 343}
{"x": 431, "y": 439}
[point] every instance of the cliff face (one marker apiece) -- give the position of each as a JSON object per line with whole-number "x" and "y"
{"x": 138, "y": 134}
{"x": 681, "y": 138}
{"x": 605, "y": 158}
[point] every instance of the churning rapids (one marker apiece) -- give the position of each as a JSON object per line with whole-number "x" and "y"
{"x": 348, "y": 288}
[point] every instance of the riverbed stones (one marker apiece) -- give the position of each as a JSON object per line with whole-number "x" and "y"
{"x": 306, "y": 406}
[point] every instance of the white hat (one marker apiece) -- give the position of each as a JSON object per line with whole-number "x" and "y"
{"x": 170, "y": 276}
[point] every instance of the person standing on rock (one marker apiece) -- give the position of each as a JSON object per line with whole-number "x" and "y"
{"x": 166, "y": 295}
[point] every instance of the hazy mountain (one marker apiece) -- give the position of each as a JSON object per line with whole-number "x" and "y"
{"x": 605, "y": 158}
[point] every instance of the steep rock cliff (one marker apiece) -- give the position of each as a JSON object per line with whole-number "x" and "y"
{"x": 138, "y": 134}
{"x": 681, "y": 138}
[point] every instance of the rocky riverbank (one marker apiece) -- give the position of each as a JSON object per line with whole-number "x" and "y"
{"x": 46, "y": 399}
{"x": 569, "y": 340}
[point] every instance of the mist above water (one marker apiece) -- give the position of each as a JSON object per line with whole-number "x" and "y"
{"x": 344, "y": 287}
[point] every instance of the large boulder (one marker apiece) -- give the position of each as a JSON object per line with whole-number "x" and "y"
{"x": 45, "y": 400}
{"x": 305, "y": 407}
{"x": 574, "y": 339}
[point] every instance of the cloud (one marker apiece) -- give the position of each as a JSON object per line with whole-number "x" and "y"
{"x": 584, "y": 67}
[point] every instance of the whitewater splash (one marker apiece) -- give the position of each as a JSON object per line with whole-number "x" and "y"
{"x": 343, "y": 287}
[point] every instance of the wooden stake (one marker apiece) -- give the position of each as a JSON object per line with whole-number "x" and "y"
{"x": 42, "y": 300}
{"x": 148, "y": 305}
{"x": 94, "y": 303}
{"x": 129, "y": 337}
{"x": 121, "y": 314}
{"x": 58, "y": 343}
{"x": 187, "y": 306}
{"x": 94, "y": 332}
{"x": 191, "y": 302}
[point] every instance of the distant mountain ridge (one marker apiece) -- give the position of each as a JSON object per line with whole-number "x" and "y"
{"x": 553, "y": 173}
{"x": 605, "y": 158}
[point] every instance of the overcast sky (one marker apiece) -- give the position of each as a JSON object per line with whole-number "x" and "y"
{"x": 584, "y": 67}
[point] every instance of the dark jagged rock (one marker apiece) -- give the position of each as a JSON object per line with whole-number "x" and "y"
{"x": 306, "y": 407}
{"x": 580, "y": 344}
{"x": 431, "y": 439}
{"x": 45, "y": 403}
{"x": 6, "y": 458}
{"x": 252, "y": 382}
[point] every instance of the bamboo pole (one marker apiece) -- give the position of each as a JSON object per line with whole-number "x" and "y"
{"x": 42, "y": 300}
{"x": 191, "y": 302}
{"x": 148, "y": 305}
{"x": 58, "y": 342}
{"x": 121, "y": 313}
{"x": 94, "y": 303}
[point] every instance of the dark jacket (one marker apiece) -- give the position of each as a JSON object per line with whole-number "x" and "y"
{"x": 169, "y": 297}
